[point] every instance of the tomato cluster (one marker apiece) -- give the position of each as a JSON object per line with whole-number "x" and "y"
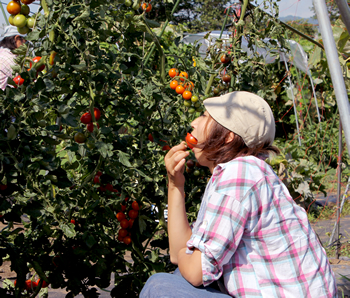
{"x": 31, "y": 285}
{"x": 86, "y": 118}
{"x": 183, "y": 86}
{"x": 19, "y": 15}
{"x": 126, "y": 218}
{"x": 39, "y": 67}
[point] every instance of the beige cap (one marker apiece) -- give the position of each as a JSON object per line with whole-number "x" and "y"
{"x": 244, "y": 113}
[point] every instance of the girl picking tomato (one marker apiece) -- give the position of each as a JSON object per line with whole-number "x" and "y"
{"x": 250, "y": 238}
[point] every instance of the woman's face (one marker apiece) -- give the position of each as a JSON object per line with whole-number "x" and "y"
{"x": 201, "y": 127}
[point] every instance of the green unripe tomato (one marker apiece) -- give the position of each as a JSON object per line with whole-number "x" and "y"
{"x": 30, "y": 22}
{"x": 23, "y": 30}
{"x": 197, "y": 104}
{"x": 25, "y": 10}
{"x": 128, "y": 3}
{"x": 196, "y": 173}
{"x": 20, "y": 21}
{"x": 191, "y": 110}
{"x": 194, "y": 98}
{"x": 11, "y": 17}
{"x": 187, "y": 103}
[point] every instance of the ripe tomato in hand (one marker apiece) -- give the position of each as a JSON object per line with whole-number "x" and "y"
{"x": 133, "y": 213}
{"x": 120, "y": 216}
{"x": 86, "y": 118}
{"x": 191, "y": 140}
{"x": 135, "y": 206}
{"x": 173, "y": 72}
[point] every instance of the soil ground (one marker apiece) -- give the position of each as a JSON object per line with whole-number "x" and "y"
{"x": 341, "y": 266}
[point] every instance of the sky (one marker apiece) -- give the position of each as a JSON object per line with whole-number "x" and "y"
{"x": 300, "y": 8}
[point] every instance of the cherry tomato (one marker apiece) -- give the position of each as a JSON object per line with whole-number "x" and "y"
{"x": 194, "y": 98}
{"x": 52, "y": 57}
{"x": 191, "y": 140}
{"x": 133, "y": 213}
{"x": 173, "y": 72}
{"x": 97, "y": 113}
{"x": 123, "y": 207}
{"x": 190, "y": 163}
{"x": 97, "y": 179}
{"x": 79, "y": 137}
{"x": 86, "y": 118}
{"x": 226, "y": 78}
{"x": 182, "y": 75}
{"x": 13, "y": 7}
{"x": 216, "y": 91}
{"x": 147, "y": 7}
{"x": 99, "y": 173}
{"x": 189, "y": 86}
{"x": 135, "y": 206}
{"x": 127, "y": 240}
{"x": 120, "y": 216}
{"x": 3, "y": 186}
{"x": 131, "y": 222}
{"x": 124, "y": 223}
{"x": 123, "y": 233}
{"x": 166, "y": 148}
{"x": 18, "y": 80}
{"x": 44, "y": 284}
{"x": 150, "y": 137}
{"x": 187, "y": 95}
{"x": 173, "y": 84}
{"x": 225, "y": 59}
{"x": 109, "y": 187}
{"x": 29, "y": 285}
{"x": 37, "y": 59}
{"x": 180, "y": 89}
{"x": 72, "y": 221}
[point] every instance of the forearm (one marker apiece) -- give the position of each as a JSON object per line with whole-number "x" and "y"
{"x": 190, "y": 266}
{"x": 178, "y": 227}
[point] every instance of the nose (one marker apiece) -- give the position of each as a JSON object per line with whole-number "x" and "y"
{"x": 193, "y": 123}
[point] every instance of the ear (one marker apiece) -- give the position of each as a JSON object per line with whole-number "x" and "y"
{"x": 230, "y": 137}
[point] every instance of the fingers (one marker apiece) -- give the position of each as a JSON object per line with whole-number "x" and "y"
{"x": 181, "y": 147}
{"x": 180, "y": 166}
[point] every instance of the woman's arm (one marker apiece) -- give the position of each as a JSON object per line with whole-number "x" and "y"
{"x": 190, "y": 266}
{"x": 178, "y": 227}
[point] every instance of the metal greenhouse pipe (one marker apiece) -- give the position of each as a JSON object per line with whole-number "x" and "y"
{"x": 344, "y": 10}
{"x": 334, "y": 67}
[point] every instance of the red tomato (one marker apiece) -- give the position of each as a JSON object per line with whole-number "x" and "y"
{"x": 147, "y": 7}
{"x": 191, "y": 140}
{"x": 97, "y": 179}
{"x": 124, "y": 223}
{"x": 90, "y": 127}
{"x": 131, "y": 222}
{"x": 109, "y": 187}
{"x": 174, "y": 84}
{"x": 72, "y": 221}
{"x": 173, "y": 72}
{"x": 127, "y": 240}
{"x": 44, "y": 284}
{"x": 183, "y": 74}
{"x": 120, "y": 216}
{"x": 150, "y": 137}
{"x": 18, "y": 80}
{"x": 3, "y": 186}
{"x": 135, "y": 206}
{"x": 187, "y": 95}
{"x": 13, "y": 7}
{"x": 29, "y": 285}
{"x": 37, "y": 59}
{"x": 123, "y": 233}
{"x": 99, "y": 173}
{"x": 133, "y": 213}
{"x": 166, "y": 148}
{"x": 123, "y": 207}
{"x": 97, "y": 113}
{"x": 86, "y": 118}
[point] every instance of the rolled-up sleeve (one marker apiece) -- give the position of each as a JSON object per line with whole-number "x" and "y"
{"x": 219, "y": 234}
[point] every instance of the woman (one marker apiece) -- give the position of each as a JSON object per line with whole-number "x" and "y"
{"x": 10, "y": 40}
{"x": 250, "y": 235}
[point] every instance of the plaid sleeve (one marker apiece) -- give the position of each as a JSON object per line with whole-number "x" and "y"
{"x": 7, "y": 60}
{"x": 219, "y": 235}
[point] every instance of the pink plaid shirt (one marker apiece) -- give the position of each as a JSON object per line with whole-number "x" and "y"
{"x": 251, "y": 232}
{"x": 6, "y": 61}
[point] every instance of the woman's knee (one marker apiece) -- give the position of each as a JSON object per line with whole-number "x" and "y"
{"x": 158, "y": 285}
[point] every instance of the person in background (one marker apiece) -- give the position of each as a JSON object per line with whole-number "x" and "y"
{"x": 9, "y": 41}
{"x": 250, "y": 238}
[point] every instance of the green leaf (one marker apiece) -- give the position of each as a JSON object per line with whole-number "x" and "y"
{"x": 90, "y": 241}
{"x": 142, "y": 223}
{"x": 124, "y": 159}
{"x": 80, "y": 67}
{"x": 11, "y": 132}
{"x": 68, "y": 230}
{"x": 105, "y": 149}
{"x": 148, "y": 179}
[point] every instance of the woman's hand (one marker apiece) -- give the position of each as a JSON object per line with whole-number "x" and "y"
{"x": 175, "y": 164}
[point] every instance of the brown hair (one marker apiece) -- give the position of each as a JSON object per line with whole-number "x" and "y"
{"x": 10, "y": 42}
{"x": 218, "y": 150}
